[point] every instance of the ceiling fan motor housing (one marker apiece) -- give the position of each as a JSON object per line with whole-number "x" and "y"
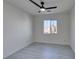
{"x": 42, "y": 3}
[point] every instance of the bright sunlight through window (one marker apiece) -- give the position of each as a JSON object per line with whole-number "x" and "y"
{"x": 50, "y": 26}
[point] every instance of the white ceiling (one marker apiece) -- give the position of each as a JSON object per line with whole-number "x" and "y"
{"x": 62, "y": 5}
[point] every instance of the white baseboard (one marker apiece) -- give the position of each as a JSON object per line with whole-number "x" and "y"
{"x": 53, "y": 43}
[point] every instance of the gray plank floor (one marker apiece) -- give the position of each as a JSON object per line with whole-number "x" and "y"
{"x": 44, "y": 51}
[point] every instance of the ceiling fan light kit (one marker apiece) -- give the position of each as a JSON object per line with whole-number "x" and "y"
{"x": 42, "y": 8}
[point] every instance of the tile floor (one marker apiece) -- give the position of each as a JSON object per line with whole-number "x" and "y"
{"x": 44, "y": 51}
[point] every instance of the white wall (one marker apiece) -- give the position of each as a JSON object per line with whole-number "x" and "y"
{"x": 17, "y": 29}
{"x": 62, "y": 37}
{"x": 72, "y": 29}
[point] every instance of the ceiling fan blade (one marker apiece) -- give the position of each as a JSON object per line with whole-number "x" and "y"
{"x": 35, "y": 3}
{"x": 39, "y": 11}
{"x": 48, "y": 10}
{"x": 51, "y": 7}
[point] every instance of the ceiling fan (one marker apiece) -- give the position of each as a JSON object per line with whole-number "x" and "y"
{"x": 42, "y": 8}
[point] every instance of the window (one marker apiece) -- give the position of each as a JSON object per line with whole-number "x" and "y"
{"x": 50, "y": 26}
